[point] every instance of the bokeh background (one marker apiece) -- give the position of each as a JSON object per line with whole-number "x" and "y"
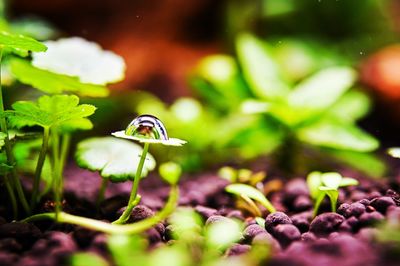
{"x": 164, "y": 43}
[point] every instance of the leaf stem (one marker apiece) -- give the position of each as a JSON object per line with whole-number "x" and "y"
{"x": 102, "y": 191}
{"x": 132, "y": 199}
{"x": 10, "y": 158}
{"x": 39, "y": 167}
{"x": 55, "y": 172}
{"x": 108, "y": 228}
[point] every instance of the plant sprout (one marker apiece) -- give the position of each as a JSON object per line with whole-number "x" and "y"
{"x": 146, "y": 129}
{"x": 19, "y": 45}
{"x": 327, "y": 184}
{"x": 55, "y": 114}
{"x": 246, "y": 191}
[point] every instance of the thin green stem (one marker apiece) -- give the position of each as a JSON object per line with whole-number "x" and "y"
{"x": 102, "y": 191}
{"x": 132, "y": 199}
{"x": 108, "y": 228}
{"x": 12, "y": 196}
{"x": 10, "y": 158}
{"x": 39, "y": 167}
{"x": 66, "y": 140}
{"x": 55, "y": 143}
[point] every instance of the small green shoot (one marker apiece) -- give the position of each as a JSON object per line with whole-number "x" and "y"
{"x": 170, "y": 172}
{"x": 252, "y": 193}
{"x": 327, "y": 184}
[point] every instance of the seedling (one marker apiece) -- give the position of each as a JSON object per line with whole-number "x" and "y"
{"x": 55, "y": 114}
{"x": 327, "y": 184}
{"x": 146, "y": 129}
{"x": 248, "y": 192}
{"x": 19, "y": 45}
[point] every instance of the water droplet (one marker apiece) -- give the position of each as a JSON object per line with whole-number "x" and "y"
{"x": 147, "y": 126}
{"x": 361, "y": 52}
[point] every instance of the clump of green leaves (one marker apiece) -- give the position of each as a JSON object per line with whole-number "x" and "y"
{"x": 327, "y": 184}
{"x": 291, "y": 112}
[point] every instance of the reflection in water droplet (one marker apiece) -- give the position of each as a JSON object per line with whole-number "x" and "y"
{"x": 147, "y": 126}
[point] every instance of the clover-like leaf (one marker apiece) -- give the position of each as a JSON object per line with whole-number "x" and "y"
{"x": 252, "y": 193}
{"x": 80, "y": 58}
{"x": 114, "y": 158}
{"x": 53, "y": 83}
{"x": 169, "y": 142}
{"x": 20, "y": 44}
{"x": 49, "y": 111}
{"x": 313, "y": 183}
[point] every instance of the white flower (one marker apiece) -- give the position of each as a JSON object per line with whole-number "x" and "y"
{"x": 83, "y": 59}
{"x": 169, "y": 142}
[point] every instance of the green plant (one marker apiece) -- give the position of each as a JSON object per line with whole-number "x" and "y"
{"x": 249, "y": 193}
{"x": 19, "y": 45}
{"x": 327, "y": 184}
{"x": 146, "y": 129}
{"x": 293, "y": 110}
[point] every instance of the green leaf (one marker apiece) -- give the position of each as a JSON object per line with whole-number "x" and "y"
{"x": 20, "y": 43}
{"x": 331, "y": 180}
{"x": 338, "y": 136}
{"x": 49, "y": 111}
{"x": 313, "y": 183}
{"x": 352, "y": 106}
{"x": 114, "y": 158}
{"x": 53, "y": 83}
{"x": 251, "y": 192}
{"x": 322, "y": 89}
{"x": 170, "y": 172}
{"x": 348, "y": 181}
{"x": 260, "y": 69}
{"x": 86, "y": 258}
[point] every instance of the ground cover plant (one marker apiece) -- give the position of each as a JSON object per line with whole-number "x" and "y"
{"x": 269, "y": 166}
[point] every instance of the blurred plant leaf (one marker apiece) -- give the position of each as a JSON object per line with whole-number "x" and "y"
{"x": 53, "y": 83}
{"x": 221, "y": 234}
{"x": 339, "y": 136}
{"x": 20, "y": 44}
{"x": 170, "y": 172}
{"x": 259, "y": 68}
{"x": 49, "y": 111}
{"x": 352, "y": 106}
{"x": 252, "y": 193}
{"x": 322, "y": 89}
{"x": 116, "y": 159}
{"x": 87, "y": 258}
{"x": 2, "y": 137}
